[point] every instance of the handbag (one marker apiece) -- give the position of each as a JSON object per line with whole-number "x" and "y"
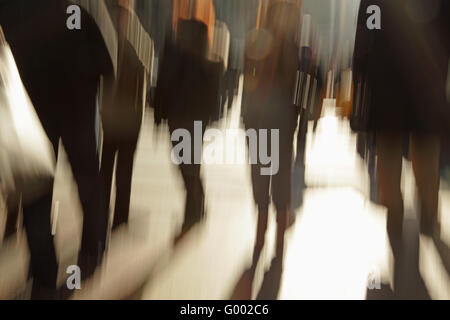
{"x": 306, "y": 95}
{"x": 27, "y": 160}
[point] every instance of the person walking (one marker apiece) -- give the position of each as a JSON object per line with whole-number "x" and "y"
{"x": 400, "y": 63}
{"x": 121, "y": 113}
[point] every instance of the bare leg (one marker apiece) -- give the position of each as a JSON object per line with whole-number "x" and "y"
{"x": 389, "y": 170}
{"x": 425, "y": 150}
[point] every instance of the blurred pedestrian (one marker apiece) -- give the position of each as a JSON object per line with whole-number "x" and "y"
{"x": 188, "y": 91}
{"x": 122, "y": 112}
{"x": 399, "y": 88}
{"x": 61, "y": 69}
{"x": 268, "y": 103}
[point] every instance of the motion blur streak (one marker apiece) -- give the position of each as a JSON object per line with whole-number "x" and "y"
{"x": 360, "y": 205}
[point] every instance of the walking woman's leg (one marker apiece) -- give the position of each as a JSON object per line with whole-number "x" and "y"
{"x": 425, "y": 150}
{"x": 389, "y": 171}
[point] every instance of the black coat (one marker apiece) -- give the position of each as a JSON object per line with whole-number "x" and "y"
{"x": 188, "y": 83}
{"x": 269, "y": 82}
{"x": 60, "y": 68}
{"x": 122, "y": 100}
{"x": 405, "y": 64}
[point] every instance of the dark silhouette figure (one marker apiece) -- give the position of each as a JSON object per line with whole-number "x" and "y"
{"x": 122, "y": 111}
{"x": 310, "y": 101}
{"x": 271, "y": 63}
{"x": 403, "y": 66}
{"x": 188, "y": 91}
{"x": 60, "y": 69}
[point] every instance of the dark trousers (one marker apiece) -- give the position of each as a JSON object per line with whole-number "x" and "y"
{"x": 37, "y": 223}
{"x": 278, "y": 186}
{"x": 125, "y": 151}
{"x": 77, "y": 132}
{"x": 301, "y": 139}
{"x": 195, "y": 195}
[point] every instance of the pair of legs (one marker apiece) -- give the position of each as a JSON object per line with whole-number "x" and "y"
{"x": 125, "y": 151}
{"x": 424, "y": 151}
{"x": 276, "y": 187}
{"x": 37, "y": 224}
{"x": 195, "y": 195}
{"x": 77, "y": 132}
